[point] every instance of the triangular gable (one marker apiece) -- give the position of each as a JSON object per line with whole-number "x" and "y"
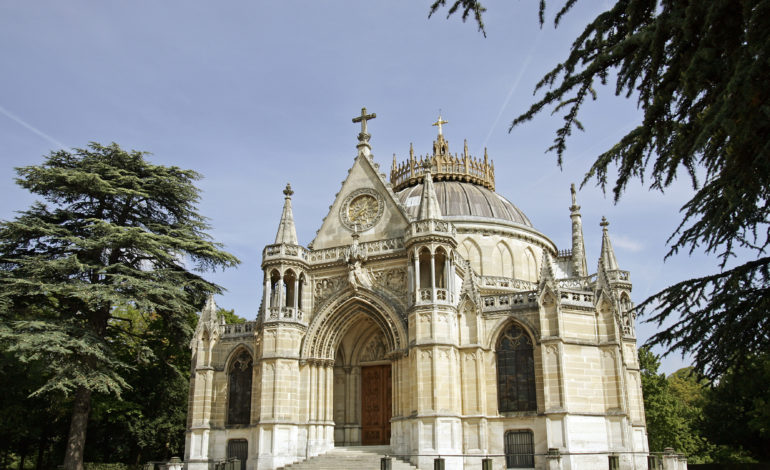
{"x": 363, "y": 178}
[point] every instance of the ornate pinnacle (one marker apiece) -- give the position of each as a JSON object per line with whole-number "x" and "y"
{"x": 604, "y": 224}
{"x": 288, "y": 192}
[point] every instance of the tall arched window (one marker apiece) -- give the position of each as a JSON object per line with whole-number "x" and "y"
{"x": 275, "y": 289}
{"x": 515, "y": 371}
{"x": 239, "y": 389}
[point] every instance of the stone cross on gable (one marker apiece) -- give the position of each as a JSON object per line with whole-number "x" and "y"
{"x": 363, "y": 137}
{"x": 363, "y": 118}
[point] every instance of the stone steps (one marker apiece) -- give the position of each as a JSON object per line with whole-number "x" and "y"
{"x": 349, "y": 458}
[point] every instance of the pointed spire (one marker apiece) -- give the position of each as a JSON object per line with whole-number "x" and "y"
{"x": 429, "y": 208}
{"x": 287, "y": 234}
{"x": 209, "y": 310}
{"x": 578, "y": 245}
{"x": 607, "y": 258}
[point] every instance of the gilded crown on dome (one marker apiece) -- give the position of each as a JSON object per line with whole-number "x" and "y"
{"x": 443, "y": 166}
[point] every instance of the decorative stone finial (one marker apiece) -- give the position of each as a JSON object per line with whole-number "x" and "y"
{"x": 604, "y": 224}
{"x": 439, "y": 123}
{"x": 574, "y": 207}
{"x": 288, "y": 192}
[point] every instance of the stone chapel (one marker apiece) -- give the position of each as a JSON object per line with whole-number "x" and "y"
{"x": 429, "y": 316}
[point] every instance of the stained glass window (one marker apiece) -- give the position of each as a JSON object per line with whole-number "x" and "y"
{"x": 515, "y": 371}
{"x": 239, "y": 389}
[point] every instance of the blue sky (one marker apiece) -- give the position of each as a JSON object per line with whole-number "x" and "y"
{"x": 256, "y": 94}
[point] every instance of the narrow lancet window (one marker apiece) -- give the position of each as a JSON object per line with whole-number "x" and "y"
{"x": 239, "y": 389}
{"x": 515, "y": 371}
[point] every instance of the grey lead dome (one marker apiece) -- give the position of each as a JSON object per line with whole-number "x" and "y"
{"x": 458, "y": 198}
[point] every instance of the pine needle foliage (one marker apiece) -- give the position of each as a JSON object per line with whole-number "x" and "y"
{"x": 698, "y": 70}
{"x": 111, "y": 230}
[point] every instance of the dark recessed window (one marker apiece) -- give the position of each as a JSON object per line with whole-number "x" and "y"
{"x": 515, "y": 371}
{"x": 239, "y": 389}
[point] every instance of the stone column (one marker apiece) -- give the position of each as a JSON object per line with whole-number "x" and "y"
{"x": 296, "y": 294}
{"x": 416, "y": 276}
{"x": 433, "y": 277}
{"x": 268, "y": 295}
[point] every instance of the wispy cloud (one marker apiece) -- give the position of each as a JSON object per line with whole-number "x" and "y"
{"x": 515, "y": 85}
{"x": 33, "y": 129}
{"x": 627, "y": 243}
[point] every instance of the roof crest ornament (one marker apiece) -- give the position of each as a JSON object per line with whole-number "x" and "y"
{"x": 443, "y": 166}
{"x": 364, "y": 136}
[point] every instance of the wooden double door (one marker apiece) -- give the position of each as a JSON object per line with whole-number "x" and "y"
{"x": 376, "y": 410}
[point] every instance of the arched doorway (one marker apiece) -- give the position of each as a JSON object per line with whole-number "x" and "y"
{"x": 362, "y": 386}
{"x": 357, "y": 333}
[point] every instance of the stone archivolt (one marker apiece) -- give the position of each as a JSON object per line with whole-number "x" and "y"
{"x": 419, "y": 301}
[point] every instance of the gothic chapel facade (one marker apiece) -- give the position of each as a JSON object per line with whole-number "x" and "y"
{"x": 430, "y": 316}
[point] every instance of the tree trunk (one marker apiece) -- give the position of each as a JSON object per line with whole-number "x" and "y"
{"x": 41, "y": 445}
{"x": 81, "y": 408}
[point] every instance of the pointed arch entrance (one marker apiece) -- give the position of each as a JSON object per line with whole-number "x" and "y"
{"x": 361, "y": 332}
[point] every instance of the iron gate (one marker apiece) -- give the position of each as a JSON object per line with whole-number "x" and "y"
{"x": 238, "y": 449}
{"x": 519, "y": 449}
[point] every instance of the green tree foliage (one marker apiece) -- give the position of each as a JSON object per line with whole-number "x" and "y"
{"x": 31, "y": 426}
{"x": 737, "y": 412}
{"x": 672, "y": 409}
{"x": 148, "y": 421}
{"x": 230, "y": 316}
{"x": 112, "y": 230}
{"x": 698, "y": 72}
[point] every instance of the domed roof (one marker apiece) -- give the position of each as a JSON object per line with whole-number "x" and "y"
{"x": 457, "y": 198}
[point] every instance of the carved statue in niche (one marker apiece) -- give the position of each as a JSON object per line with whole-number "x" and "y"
{"x": 374, "y": 350}
{"x": 355, "y": 257}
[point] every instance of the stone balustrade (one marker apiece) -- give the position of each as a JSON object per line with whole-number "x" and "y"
{"x": 236, "y": 329}
{"x": 428, "y": 227}
{"x": 492, "y": 303}
{"x": 285, "y": 313}
{"x": 500, "y": 282}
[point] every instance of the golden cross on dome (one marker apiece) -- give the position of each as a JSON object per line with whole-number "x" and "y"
{"x": 439, "y": 123}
